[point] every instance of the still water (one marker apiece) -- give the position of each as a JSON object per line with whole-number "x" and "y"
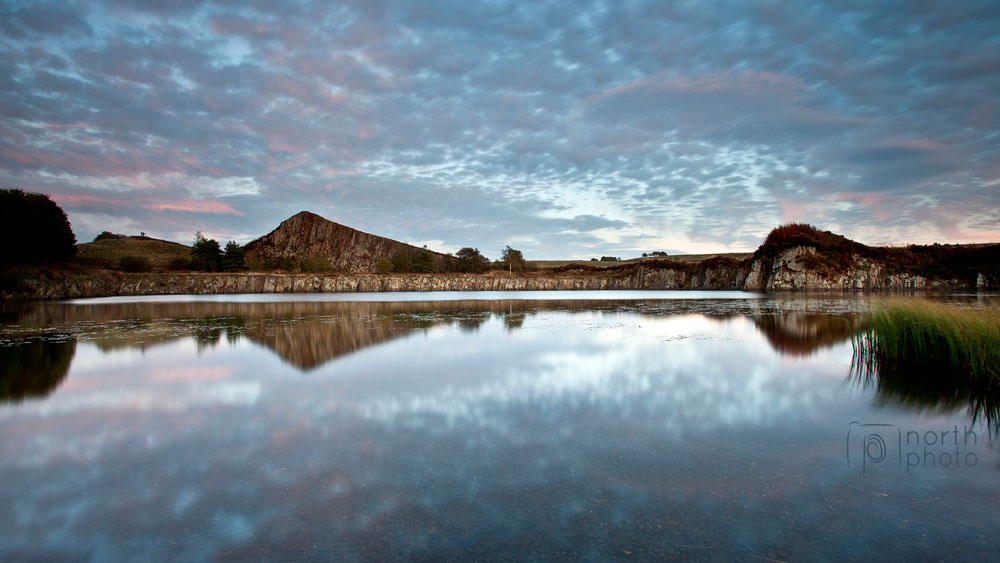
{"x": 475, "y": 426}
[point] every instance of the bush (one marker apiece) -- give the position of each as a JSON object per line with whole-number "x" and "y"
{"x": 402, "y": 262}
{"x": 135, "y": 264}
{"x": 610, "y": 259}
{"x": 107, "y": 235}
{"x": 383, "y": 265}
{"x": 35, "y": 228}
{"x": 316, "y": 265}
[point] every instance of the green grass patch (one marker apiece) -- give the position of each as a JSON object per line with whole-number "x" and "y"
{"x": 934, "y": 334}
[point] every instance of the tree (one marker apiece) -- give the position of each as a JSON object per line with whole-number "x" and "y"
{"x": 472, "y": 260}
{"x": 34, "y": 228}
{"x": 234, "y": 259}
{"x": 402, "y": 262}
{"x": 610, "y": 259}
{"x": 512, "y": 259}
{"x": 206, "y": 253}
{"x": 424, "y": 263}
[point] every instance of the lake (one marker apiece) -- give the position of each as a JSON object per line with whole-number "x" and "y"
{"x": 481, "y": 426}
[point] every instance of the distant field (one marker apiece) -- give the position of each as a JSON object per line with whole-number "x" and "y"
{"x": 543, "y": 264}
{"x": 105, "y": 253}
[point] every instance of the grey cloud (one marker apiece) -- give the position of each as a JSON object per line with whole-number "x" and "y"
{"x": 471, "y": 122}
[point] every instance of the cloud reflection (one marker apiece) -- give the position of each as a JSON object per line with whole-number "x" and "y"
{"x": 438, "y": 431}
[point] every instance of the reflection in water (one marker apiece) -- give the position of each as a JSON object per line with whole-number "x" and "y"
{"x": 802, "y": 334}
{"x": 34, "y": 369}
{"x": 465, "y": 431}
{"x": 932, "y": 388}
{"x": 307, "y": 335}
{"x": 310, "y": 334}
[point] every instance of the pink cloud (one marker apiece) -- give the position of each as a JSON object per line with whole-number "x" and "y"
{"x": 880, "y": 209}
{"x": 792, "y": 212}
{"x": 746, "y": 82}
{"x": 209, "y": 373}
{"x": 925, "y": 145}
{"x": 193, "y": 206}
{"x": 63, "y": 126}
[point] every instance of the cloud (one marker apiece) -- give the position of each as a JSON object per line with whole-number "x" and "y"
{"x": 580, "y": 129}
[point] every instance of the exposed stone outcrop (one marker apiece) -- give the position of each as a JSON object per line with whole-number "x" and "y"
{"x": 307, "y": 235}
{"x": 788, "y": 271}
{"x": 785, "y": 273}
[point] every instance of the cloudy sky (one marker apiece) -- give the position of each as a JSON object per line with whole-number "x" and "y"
{"x": 569, "y": 129}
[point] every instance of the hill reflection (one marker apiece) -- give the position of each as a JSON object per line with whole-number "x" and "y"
{"x": 307, "y": 335}
{"x": 803, "y": 334}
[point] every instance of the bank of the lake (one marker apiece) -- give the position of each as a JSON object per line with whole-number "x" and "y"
{"x": 109, "y": 283}
{"x": 793, "y": 269}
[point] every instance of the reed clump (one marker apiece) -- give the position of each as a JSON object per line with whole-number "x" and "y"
{"x": 962, "y": 338}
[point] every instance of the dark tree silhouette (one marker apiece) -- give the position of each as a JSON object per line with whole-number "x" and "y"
{"x": 472, "y": 260}
{"x": 34, "y": 228}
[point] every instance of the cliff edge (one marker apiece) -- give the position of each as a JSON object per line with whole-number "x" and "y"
{"x": 307, "y": 235}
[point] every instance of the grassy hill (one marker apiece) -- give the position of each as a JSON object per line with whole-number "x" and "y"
{"x": 107, "y": 250}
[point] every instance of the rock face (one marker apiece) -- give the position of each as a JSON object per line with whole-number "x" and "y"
{"x": 785, "y": 273}
{"x": 307, "y": 235}
{"x": 788, "y": 271}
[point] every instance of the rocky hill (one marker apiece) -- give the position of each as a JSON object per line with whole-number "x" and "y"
{"x": 306, "y": 235}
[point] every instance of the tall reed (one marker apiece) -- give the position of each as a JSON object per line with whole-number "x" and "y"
{"x": 964, "y": 338}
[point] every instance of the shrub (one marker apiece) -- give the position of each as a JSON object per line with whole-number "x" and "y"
{"x": 107, "y": 235}
{"x": 383, "y": 265}
{"x": 35, "y": 228}
{"x": 402, "y": 262}
{"x": 316, "y": 265}
{"x": 135, "y": 264}
{"x": 801, "y": 234}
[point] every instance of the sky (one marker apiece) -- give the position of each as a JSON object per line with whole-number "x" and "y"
{"x": 565, "y": 129}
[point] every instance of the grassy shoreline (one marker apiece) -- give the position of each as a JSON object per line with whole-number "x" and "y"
{"x": 932, "y": 334}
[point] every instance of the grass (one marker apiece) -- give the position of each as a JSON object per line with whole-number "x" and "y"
{"x": 107, "y": 253}
{"x": 933, "y": 357}
{"x": 932, "y": 334}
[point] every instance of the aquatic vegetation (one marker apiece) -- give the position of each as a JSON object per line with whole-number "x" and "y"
{"x": 935, "y": 333}
{"x": 931, "y": 356}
